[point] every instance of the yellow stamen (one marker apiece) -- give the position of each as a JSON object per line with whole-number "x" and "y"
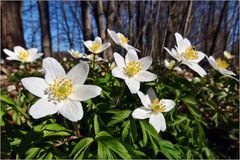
{"x": 96, "y": 46}
{"x": 123, "y": 39}
{"x": 190, "y": 53}
{"x": 171, "y": 64}
{"x": 133, "y": 68}
{"x": 221, "y": 63}
{"x": 59, "y": 90}
{"x": 23, "y": 55}
{"x": 158, "y": 106}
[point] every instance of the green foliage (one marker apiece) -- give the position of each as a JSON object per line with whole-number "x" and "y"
{"x": 204, "y": 123}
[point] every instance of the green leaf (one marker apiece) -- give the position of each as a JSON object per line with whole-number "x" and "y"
{"x": 125, "y": 131}
{"x": 119, "y": 117}
{"x": 81, "y": 145}
{"x": 103, "y": 133}
{"x": 113, "y": 144}
{"x": 96, "y": 124}
{"x": 32, "y": 152}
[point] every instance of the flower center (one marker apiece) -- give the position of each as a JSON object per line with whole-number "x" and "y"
{"x": 221, "y": 63}
{"x": 123, "y": 39}
{"x": 190, "y": 53}
{"x": 59, "y": 90}
{"x": 95, "y": 46}
{"x": 171, "y": 64}
{"x": 133, "y": 68}
{"x": 158, "y": 106}
{"x": 23, "y": 55}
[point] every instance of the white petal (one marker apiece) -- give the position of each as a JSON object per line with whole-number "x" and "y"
{"x": 43, "y": 108}
{"x": 105, "y": 46}
{"x": 146, "y": 61}
{"x": 78, "y": 74}
{"x": 187, "y": 43}
{"x": 128, "y": 47}
{"x": 13, "y": 58}
{"x": 151, "y": 94}
{"x": 197, "y": 68}
{"x": 32, "y": 51}
{"x": 71, "y": 110}
{"x": 35, "y": 56}
{"x": 158, "y": 122}
{"x": 118, "y": 72}
{"x": 18, "y": 49}
{"x": 35, "y": 85}
{"x": 141, "y": 113}
{"x": 133, "y": 85}
{"x": 144, "y": 99}
{"x": 119, "y": 60}
{"x": 53, "y": 70}
{"x": 173, "y": 53}
{"x": 84, "y": 92}
{"x": 180, "y": 41}
{"x": 88, "y": 44}
{"x": 145, "y": 76}
{"x": 225, "y": 71}
{"x": 10, "y": 53}
{"x": 114, "y": 36}
{"x": 213, "y": 63}
{"x": 98, "y": 40}
{"x": 169, "y": 104}
{"x": 131, "y": 56}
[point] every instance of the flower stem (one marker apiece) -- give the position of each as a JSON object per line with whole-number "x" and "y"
{"x": 76, "y": 129}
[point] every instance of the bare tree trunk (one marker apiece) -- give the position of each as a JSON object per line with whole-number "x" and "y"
{"x": 101, "y": 19}
{"x": 45, "y": 28}
{"x": 86, "y": 18}
{"x": 110, "y": 12}
{"x": 130, "y": 10}
{"x": 11, "y": 26}
{"x": 186, "y": 26}
{"x": 215, "y": 36}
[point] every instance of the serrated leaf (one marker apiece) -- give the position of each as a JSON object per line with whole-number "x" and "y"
{"x": 119, "y": 117}
{"x": 80, "y": 146}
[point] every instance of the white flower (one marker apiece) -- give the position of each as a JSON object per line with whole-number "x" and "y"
{"x": 60, "y": 92}
{"x": 221, "y": 66}
{"x": 170, "y": 65}
{"x": 76, "y": 54}
{"x": 23, "y": 55}
{"x": 121, "y": 40}
{"x": 90, "y": 57}
{"x": 228, "y": 55}
{"x": 186, "y": 54}
{"x": 152, "y": 109}
{"x": 96, "y": 46}
{"x": 133, "y": 70}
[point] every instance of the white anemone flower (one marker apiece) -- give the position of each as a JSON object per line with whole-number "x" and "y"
{"x": 133, "y": 70}
{"x": 170, "y": 65}
{"x": 96, "y": 46}
{"x": 60, "y": 92}
{"x": 23, "y": 55}
{"x": 76, "y": 54}
{"x": 153, "y": 109}
{"x": 92, "y": 57}
{"x": 221, "y": 66}
{"x": 121, "y": 40}
{"x": 186, "y": 54}
{"x": 228, "y": 55}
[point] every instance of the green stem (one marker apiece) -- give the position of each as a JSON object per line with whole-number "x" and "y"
{"x": 121, "y": 94}
{"x": 76, "y": 129}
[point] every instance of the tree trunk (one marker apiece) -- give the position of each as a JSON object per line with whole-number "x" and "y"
{"x": 215, "y": 36}
{"x": 100, "y": 19}
{"x": 110, "y": 12}
{"x": 45, "y": 28}
{"x": 86, "y": 18}
{"x": 11, "y": 25}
